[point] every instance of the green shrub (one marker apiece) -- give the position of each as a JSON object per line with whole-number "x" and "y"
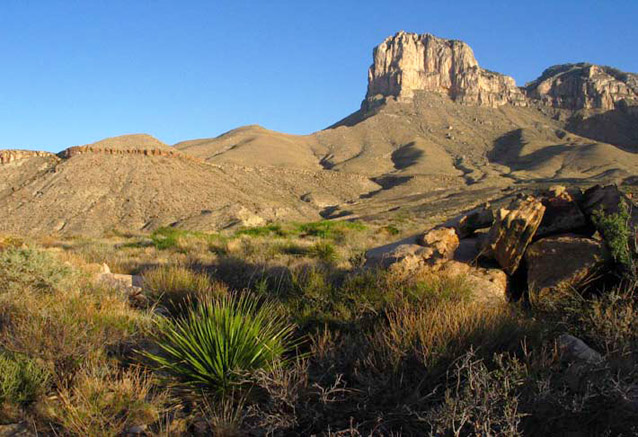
{"x": 330, "y": 229}
{"x": 263, "y": 231}
{"x": 21, "y": 268}
{"x": 617, "y": 232}
{"x": 21, "y": 379}
{"x": 325, "y": 251}
{"x": 218, "y": 341}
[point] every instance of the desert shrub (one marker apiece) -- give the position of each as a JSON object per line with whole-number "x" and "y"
{"x": 617, "y": 232}
{"x": 335, "y": 230}
{"x": 21, "y": 379}
{"x": 64, "y": 328}
{"x": 107, "y": 401}
{"x": 174, "y": 238}
{"x": 263, "y": 231}
{"x": 174, "y": 287}
{"x": 324, "y": 251}
{"x": 479, "y": 401}
{"x": 218, "y": 340}
{"x": 20, "y": 268}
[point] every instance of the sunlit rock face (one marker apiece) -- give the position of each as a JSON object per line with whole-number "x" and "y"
{"x": 408, "y": 62}
{"x": 585, "y": 86}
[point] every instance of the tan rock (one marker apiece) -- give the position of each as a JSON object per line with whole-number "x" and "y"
{"x": 562, "y": 214}
{"x": 584, "y": 86}
{"x": 468, "y": 223}
{"x": 441, "y": 243}
{"x": 408, "y": 62}
{"x": 562, "y": 261}
{"x": 513, "y": 229}
{"x": 488, "y": 285}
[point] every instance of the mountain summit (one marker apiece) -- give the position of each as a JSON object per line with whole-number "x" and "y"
{"x": 407, "y": 62}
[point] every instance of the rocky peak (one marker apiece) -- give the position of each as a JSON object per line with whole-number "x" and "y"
{"x": 408, "y": 62}
{"x": 584, "y": 86}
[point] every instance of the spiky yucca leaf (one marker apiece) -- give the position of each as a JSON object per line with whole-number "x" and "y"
{"x": 218, "y": 340}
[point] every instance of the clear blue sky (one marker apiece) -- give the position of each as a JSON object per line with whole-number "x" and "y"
{"x": 76, "y": 71}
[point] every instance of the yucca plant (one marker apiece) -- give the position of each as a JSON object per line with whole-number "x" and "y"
{"x": 218, "y": 341}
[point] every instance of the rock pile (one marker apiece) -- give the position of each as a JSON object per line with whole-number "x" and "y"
{"x": 548, "y": 239}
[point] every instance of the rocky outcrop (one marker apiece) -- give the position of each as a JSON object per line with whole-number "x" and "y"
{"x": 8, "y": 156}
{"x": 563, "y": 262}
{"x": 562, "y": 213}
{"x": 513, "y": 229}
{"x": 408, "y": 62}
{"x": 584, "y": 86}
{"x": 80, "y": 150}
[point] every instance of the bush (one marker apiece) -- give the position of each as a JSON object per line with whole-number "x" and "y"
{"x": 175, "y": 286}
{"x": 219, "y": 340}
{"x": 20, "y": 268}
{"x": 334, "y": 230}
{"x": 617, "y": 232}
{"x": 106, "y": 401}
{"x": 21, "y": 379}
{"x": 325, "y": 251}
{"x": 263, "y": 231}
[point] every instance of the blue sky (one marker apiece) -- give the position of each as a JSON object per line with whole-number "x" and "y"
{"x": 76, "y": 71}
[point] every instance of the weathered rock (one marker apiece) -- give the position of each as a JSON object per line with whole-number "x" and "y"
{"x": 409, "y": 255}
{"x": 408, "y": 62}
{"x": 562, "y": 214}
{"x": 513, "y": 229}
{"x": 608, "y": 198}
{"x": 574, "y": 350}
{"x": 488, "y": 285}
{"x": 439, "y": 244}
{"x": 584, "y": 86}
{"x": 562, "y": 261}
{"x": 12, "y": 155}
{"x": 468, "y": 223}
{"x": 16, "y": 430}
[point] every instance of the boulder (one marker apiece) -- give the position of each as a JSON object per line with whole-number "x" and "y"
{"x": 439, "y": 244}
{"x": 574, "y": 350}
{"x": 488, "y": 285}
{"x": 407, "y": 254}
{"x": 468, "y": 223}
{"x": 562, "y": 214}
{"x": 608, "y": 198}
{"x": 513, "y": 229}
{"x": 562, "y": 261}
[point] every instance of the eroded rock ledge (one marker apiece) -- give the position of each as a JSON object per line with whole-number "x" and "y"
{"x": 80, "y": 150}
{"x": 8, "y": 156}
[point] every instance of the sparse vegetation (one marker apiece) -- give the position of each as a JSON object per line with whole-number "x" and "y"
{"x": 217, "y": 348}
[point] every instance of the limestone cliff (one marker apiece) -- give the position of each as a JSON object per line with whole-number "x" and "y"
{"x": 584, "y": 86}
{"x": 408, "y": 62}
{"x": 8, "y": 156}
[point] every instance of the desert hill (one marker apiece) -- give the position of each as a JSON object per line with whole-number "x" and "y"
{"x": 433, "y": 126}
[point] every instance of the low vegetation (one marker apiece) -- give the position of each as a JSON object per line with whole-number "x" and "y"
{"x": 279, "y": 331}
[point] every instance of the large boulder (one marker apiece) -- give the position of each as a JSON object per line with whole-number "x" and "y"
{"x": 407, "y": 256}
{"x": 563, "y": 261}
{"x": 513, "y": 229}
{"x": 562, "y": 213}
{"x": 487, "y": 285}
{"x": 466, "y": 224}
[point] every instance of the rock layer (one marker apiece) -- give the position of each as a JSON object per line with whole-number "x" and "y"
{"x": 584, "y": 86}
{"x": 408, "y": 62}
{"x": 8, "y": 156}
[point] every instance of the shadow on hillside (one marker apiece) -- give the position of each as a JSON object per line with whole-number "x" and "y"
{"x": 618, "y": 127}
{"x": 406, "y": 156}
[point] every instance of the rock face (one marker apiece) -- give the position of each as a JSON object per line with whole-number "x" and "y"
{"x": 584, "y": 86}
{"x": 513, "y": 229}
{"x": 562, "y": 261}
{"x": 562, "y": 213}
{"x": 408, "y": 62}
{"x": 8, "y": 156}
